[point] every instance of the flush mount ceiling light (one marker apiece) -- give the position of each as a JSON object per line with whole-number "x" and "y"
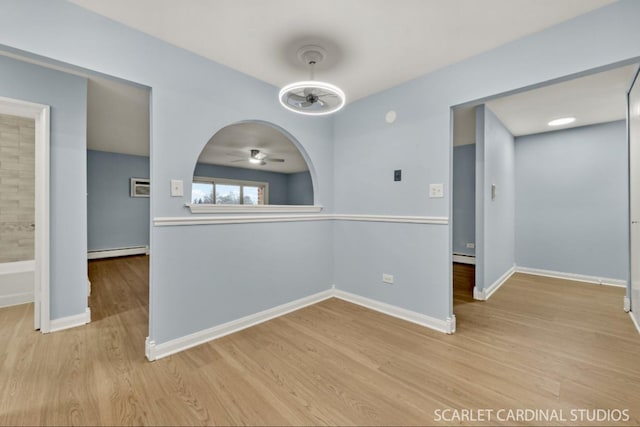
{"x": 562, "y": 121}
{"x": 311, "y": 97}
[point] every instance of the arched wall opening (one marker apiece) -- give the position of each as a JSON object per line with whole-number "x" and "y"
{"x": 253, "y": 163}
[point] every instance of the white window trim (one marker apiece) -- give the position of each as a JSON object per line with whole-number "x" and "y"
{"x": 240, "y": 182}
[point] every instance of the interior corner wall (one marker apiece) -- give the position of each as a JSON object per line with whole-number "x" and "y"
{"x": 115, "y": 220}
{"x": 495, "y": 225}
{"x": 464, "y": 202}
{"x": 353, "y": 156}
{"x": 572, "y": 201}
{"x": 201, "y": 276}
{"x": 67, "y": 96}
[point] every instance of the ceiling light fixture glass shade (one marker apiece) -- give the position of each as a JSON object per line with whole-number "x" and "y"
{"x": 311, "y": 97}
{"x": 562, "y": 121}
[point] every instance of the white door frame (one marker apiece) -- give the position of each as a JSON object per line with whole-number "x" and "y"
{"x": 40, "y": 113}
{"x": 632, "y": 300}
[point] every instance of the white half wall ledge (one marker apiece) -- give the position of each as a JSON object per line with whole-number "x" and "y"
{"x": 155, "y": 351}
{"x": 573, "y": 276}
{"x": 248, "y": 219}
{"x": 249, "y": 209}
{"x": 70, "y": 321}
{"x": 486, "y": 293}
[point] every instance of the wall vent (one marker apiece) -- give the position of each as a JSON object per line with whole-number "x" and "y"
{"x": 140, "y": 187}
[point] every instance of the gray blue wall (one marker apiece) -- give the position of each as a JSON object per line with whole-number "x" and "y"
{"x": 495, "y": 217}
{"x": 572, "y": 201}
{"x": 300, "y": 189}
{"x": 115, "y": 220}
{"x": 356, "y": 150}
{"x": 67, "y": 96}
{"x": 284, "y": 189}
{"x": 464, "y": 201}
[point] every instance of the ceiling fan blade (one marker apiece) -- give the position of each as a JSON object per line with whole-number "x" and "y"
{"x": 297, "y": 98}
{"x": 306, "y": 104}
{"x": 275, "y": 160}
{"x": 239, "y": 160}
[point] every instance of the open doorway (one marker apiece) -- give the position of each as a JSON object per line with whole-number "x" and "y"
{"x": 118, "y": 201}
{"x": 551, "y": 197}
{"x": 24, "y": 219}
{"x": 84, "y": 103}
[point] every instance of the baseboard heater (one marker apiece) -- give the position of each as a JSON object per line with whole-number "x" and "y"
{"x": 111, "y": 253}
{"x": 464, "y": 259}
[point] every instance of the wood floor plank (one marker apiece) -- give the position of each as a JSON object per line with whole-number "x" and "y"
{"x": 537, "y": 343}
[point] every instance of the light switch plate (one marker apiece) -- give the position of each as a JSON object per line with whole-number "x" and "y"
{"x": 436, "y": 191}
{"x": 176, "y": 188}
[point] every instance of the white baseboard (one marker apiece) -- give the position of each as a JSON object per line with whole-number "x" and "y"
{"x": 70, "y": 321}
{"x": 16, "y": 299}
{"x": 635, "y": 322}
{"x": 447, "y": 326}
{"x": 155, "y": 351}
{"x": 627, "y": 304}
{"x": 464, "y": 259}
{"x": 486, "y": 293}
{"x": 572, "y": 276}
{"x": 111, "y": 253}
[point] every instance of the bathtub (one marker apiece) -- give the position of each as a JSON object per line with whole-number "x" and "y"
{"x": 16, "y": 282}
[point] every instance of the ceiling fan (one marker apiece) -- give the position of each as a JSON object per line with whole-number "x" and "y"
{"x": 312, "y": 97}
{"x": 258, "y": 158}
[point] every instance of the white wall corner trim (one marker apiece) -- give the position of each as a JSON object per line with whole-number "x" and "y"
{"x": 464, "y": 259}
{"x": 247, "y": 219}
{"x": 627, "y": 304}
{"x": 157, "y": 351}
{"x": 447, "y": 326}
{"x": 70, "y": 321}
{"x": 572, "y": 276}
{"x": 110, "y": 253}
{"x": 635, "y": 322}
{"x": 486, "y": 293}
{"x": 440, "y": 220}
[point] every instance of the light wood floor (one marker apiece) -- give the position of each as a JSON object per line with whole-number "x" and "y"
{"x": 537, "y": 343}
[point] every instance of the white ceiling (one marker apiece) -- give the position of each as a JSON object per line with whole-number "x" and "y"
{"x": 592, "y": 99}
{"x": 372, "y": 44}
{"x": 117, "y": 111}
{"x": 362, "y": 38}
{"x": 232, "y": 145}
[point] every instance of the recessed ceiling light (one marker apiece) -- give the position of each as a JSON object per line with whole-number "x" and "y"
{"x": 562, "y": 121}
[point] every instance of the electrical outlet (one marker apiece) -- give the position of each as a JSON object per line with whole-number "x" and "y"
{"x": 471, "y": 245}
{"x": 436, "y": 191}
{"x": 397, "y": 175}
{"x": 387, "y": 278}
